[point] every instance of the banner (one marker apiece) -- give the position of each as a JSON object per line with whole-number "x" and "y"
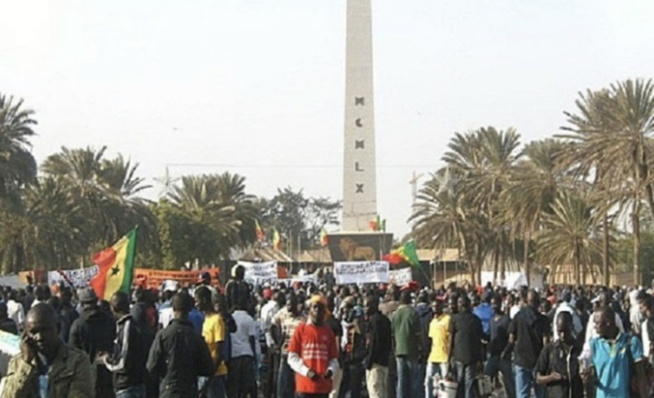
{"x": 153, "y": 278}
{"x": 400, "y": 277}
{"x": 13, "y": 281}
{"x": 79, "y": 277}
{"x": 361, "y": 272}
{"x": 260, "y": 273}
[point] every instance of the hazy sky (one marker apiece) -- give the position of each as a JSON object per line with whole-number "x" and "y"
{"x": 257, "y": 86}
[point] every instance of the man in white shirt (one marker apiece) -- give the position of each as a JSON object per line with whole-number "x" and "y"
{"x": 564, "y": 306}
{"x": 241, "y": 377}
{"x": 15, "y": 310}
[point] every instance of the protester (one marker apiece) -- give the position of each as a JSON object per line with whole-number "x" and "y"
{"x": 94, "y": 332}
{"x": 241, "y": 365}
{"x": 558, "y": 366}
{"x": 529, "y": 332}
{"x": 312, "y": 353}
{"x": 46, "y": 367}
{"x": 6, "y": 323}
{"x": 466, "y": 334}
{"x": 353, "y": 348}
{"x": 213, "y": 331}
{"x": 179, "y": 354}
{"x": 439, "y": 353}
{"x": 15, "y": 310}
{"x": 127, "y": 361}
{"x": 499, "y": 340}
{"x": 286, "y": 321}
{"x": 378, "y": 350}
{"x": 612, "y": 354}
{"x": 407, "y": 333}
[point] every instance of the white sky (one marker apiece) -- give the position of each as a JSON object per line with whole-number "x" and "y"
{"x": 257, "y": 86}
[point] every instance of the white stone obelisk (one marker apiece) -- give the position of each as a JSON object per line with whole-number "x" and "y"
{"x": 359, "y": 174}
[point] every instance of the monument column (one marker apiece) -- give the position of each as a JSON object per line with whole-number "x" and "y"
{"x": 359, "y": 174}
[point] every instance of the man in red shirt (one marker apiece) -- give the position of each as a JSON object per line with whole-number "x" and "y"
{"x": 312, "y": 353}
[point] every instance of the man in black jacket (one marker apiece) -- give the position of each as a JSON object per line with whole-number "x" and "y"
{"x": 528, "y": 333}
{"x": 379, "y": 349}
{"x": 127, "y": 362}
{"x": 466, "y": 333}
{"x": 94, "y": 332}
{"x": 179, "y": 354}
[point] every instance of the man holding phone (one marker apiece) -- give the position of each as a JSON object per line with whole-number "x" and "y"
{"x": 45, "y": 365}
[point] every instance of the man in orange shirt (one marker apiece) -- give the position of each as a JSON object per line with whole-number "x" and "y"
{"x": 312, "y": 353}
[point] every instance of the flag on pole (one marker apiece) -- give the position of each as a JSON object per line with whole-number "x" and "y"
{"x": 115, "y": 267}
{"x": 377, "y": 224}
{"x": 259, "y": 231}
{"x": 324, "y": 240}
{"x": 406, "y": 253}
{"x": 277, "y": 240}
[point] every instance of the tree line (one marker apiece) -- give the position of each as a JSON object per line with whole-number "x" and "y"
{"x": 574, "y": 200}
{"x": 77, "y": 201}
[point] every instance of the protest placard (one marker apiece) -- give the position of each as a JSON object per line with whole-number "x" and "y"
{"x": 260, "y": 273}
{"x": 78, "y": 277}
{"x": 400, "y": 277}
{"x": 361, "y": 272}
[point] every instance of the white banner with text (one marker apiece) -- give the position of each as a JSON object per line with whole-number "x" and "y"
{"x": 361, "y": 272}
{"x": 78, "y": 277}
{"x": 260, "y": 273}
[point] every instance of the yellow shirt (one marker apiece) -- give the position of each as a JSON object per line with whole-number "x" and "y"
{"x": 213, "y": 331}
{"x": 439, "y": 333}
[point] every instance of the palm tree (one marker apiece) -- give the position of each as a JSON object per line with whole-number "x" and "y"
{"x": 570, "y": 234}
{"x": 532, "y": 189}
{"x": 106, "y": 191}
{"x": 613, "y": 130}
{"x": 17, "y": 165}
{"x": 220, "y": 202}
{"x": 485, "y": 158}
{"x": 442, "y": 218}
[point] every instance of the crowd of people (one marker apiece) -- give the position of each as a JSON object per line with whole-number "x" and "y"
{"x": 307, "y": 340}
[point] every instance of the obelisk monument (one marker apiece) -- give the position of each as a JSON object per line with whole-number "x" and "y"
{"x": 359, "y": 174}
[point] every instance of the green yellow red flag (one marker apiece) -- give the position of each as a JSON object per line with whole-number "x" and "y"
{"x": 116, "y": 267}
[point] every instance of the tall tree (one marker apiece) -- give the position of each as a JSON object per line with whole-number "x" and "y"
{"x": 17, "y": 164}
{"x": 614, "y": 130}
{"x": 570, "y": 234}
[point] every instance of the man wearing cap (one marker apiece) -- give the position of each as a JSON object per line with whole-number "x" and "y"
{"x": 94, "y": 332}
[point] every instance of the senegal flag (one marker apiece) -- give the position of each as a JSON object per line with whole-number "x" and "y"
{"x": 116, "y": 267}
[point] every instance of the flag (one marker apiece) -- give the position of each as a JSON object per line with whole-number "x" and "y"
{"x": 373, "y": 225}
{"x": 405, "y": 253}
{"x": 258, "y": 230}
{"x": 115, "y": 267}
{"x": 324, "y": 240}
{"x": 277, "y": 240}
{"x": 377, "y": 224}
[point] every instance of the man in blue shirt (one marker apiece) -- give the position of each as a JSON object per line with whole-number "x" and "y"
{"x": 612, "y": 354}
{"x": 485, "y": 312}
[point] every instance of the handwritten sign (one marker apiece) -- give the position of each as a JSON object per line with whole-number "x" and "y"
{"x": 361, "y": 272}
{"x": 400, "y": 277}
{"x": 260, "y": 273}
{"x": 78, "y": 277}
